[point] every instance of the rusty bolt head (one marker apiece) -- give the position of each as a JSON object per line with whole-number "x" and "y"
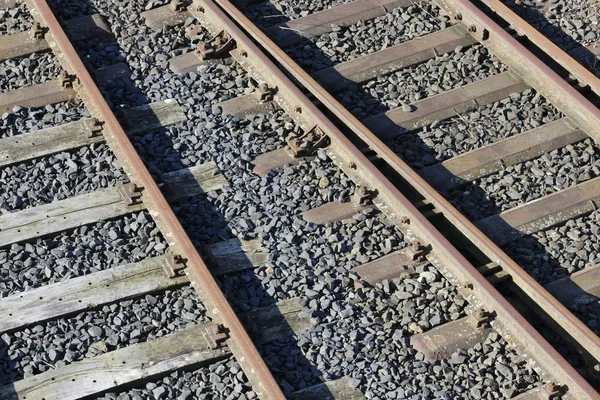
{"x": 298, "y": 109}
{"x": 200, "y": 9}
{"x": 416, "y": 244}
{"x": 468, "y": 285}
{"x": 352, "y": 165}
{"x": 243, "y": 53}
{"x": 458, "y": 17}
{"x": 472, "y": 28}
{"x": 405, "y": 220}
{"x": 263, "y": 87}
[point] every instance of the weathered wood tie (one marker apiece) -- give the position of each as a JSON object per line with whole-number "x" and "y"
{"x": 189, "y": 348}
{"x": 32, "y": 41}
{"x": 444, "y": 105}
{"x": 582, "y": 287}
{"x": 490, "y": 159}
{"x": 104, "y": 204}
{"x": 127, "y": 281}
{"x": 39, "y": 95}
{"x": 403, "y": 55}
{"x": 300, "y": 29}
{"x": 45, "y": 142}
{"x": 542, "y": 213}
{"x": 338, "y": 389}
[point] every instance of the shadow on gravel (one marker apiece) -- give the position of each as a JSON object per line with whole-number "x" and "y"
{"x": 536, "y": 14}
{"x": 122, "y": 94}
{"x": 486, "y": 206}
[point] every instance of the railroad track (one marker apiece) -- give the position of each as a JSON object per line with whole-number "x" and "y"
{"x": 316, "y": 253}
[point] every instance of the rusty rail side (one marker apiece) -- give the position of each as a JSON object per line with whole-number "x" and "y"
{"x": 530, "y": 68}
{"x": 512, "y": 325}
{"x": 556, "y": 53}
{"x": 240, "y": 343}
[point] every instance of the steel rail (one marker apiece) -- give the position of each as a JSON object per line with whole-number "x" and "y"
{"x": 516, "y": 328}
{"x": 523, "y": 62}
{"x": 546, "y": 45}
{"x": 171, "y": 228}
{"x": 571, "y": 324}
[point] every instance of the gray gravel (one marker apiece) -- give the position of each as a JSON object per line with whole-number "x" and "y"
{"x": 265, "y": 14}
{"x": 86, "y": 250}
{"x": 15, "y": 21}
{"x": 31, "y": 70}
{"x": 29, "y": 352}
{"x": 58, "y": 177}
{"x": 525, "y": 182}
{"x": 307, "y": 261}
{"x": 365, "y": 334}
{"x": 366, "y": 37}
{"x": 223, "y": 380}
{"x": 559, "y": 251}
{"x": 469, "y": 131}
{"x": 412, "y": 84}
{"x": 555, "y": 252}
{"x": 568, "y": 23}
{"x": 31, "y": 119}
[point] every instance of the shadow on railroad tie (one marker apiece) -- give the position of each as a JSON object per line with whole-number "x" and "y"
{"x": 469, "y": 198}
{"x": 201, "y": 214}
{"x": 536, "y": 14}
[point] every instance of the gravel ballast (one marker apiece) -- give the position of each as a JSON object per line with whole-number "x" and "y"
{"x": 15, "y": 20}
{"x": 86, "y": 250}
{"x": 60, "y": 342}
{"x": 469, "y": 131}
{"x": 412, "y": 84}
{"x": 347, "y": 43}
{"x": 570, "y": 24}
{"x": 223, "y": 380}
{"x": 528, "y": 181}
{"x": 312, "y": 262}
{"x": 58, "y": 177}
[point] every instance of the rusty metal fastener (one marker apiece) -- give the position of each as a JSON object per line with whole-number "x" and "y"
{"x": 266, "y": 92}
{"x": 215, "y": 335}
{"x": 415, "y": 251}
{"x": 92, "y": 127}
{"x": 468, "y": 285}
{"x": 482, "y": 318}
{"x": 554, "y": 392}
{"x": 458, "y": 17}
{"x": 363, "y": 196}
{"x": 66, "y": 79}
{"x": 37, "y": 31}
{"x": 215, "y": 47}
{"x": 174, "y": 265}
{"x": 307, "y": 144}
{"x": 130, "y": 193}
